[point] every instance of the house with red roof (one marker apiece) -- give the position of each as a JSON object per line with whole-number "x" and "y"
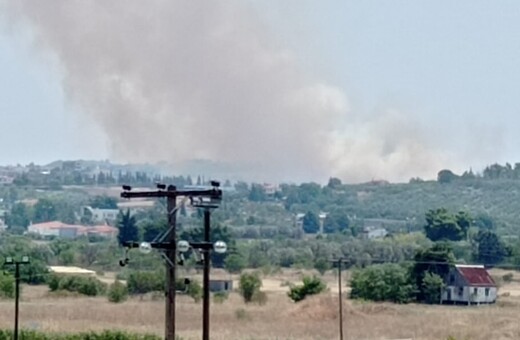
{"x": 469, "y": 284}
{"x": 64, "y": 230}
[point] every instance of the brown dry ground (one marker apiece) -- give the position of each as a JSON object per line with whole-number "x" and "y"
{"x": 313, "y": 318}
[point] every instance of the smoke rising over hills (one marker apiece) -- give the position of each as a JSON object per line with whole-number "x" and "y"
{"x": 178, "y": 81}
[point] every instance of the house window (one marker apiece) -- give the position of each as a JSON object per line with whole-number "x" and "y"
{"x": 486, "y": 291}
{"x": 461, "y": 290}
{"x": 475, "y": 291}
{"x": 452, "y": 278}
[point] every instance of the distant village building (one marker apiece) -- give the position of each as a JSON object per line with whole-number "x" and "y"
{"x": 270, "y": 189}
{"x": 70, "y": 270}
{"x": 469, "y": 284}
{"x": 6, "y": 180}
{"x": 63, "y": 230}
{"x": 321, "y": 218}
{"x": 372, "y": 232}
{"x": 97, "y": 215}
{"x": 220, "y": 285}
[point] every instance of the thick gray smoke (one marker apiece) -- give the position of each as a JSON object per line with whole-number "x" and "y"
{"x": 174, "y": 81}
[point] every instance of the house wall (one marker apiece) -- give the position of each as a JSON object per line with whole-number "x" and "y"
{"x": 468, "y": 294}
{"x": 220, "y": 285}
{"x": 458, "y": 291}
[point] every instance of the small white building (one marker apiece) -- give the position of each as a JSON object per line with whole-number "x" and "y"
{"x": 469, "y": 284}
{"x": 98, "y": 215}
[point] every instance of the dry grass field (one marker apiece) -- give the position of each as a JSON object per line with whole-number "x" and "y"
{"x": 280, "y": 318}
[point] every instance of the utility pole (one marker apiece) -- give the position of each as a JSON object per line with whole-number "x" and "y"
{"x": 171, "y": 256}
{"x": 10, "y": 261}
{"x": 207, "y": 261}
{"x": 339, "y": 262}
{"x": 205, "y": 247}
{"x": 168, "y": 241}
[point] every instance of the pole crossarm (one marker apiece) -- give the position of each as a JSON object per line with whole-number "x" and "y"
{"x": 210, "y": 193}
{"x": 168, "y": 245}
{"x": 199, "y": 198}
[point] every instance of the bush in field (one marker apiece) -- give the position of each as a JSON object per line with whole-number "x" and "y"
{"x": 220, "y": 297}
{"x": 260, "y": 298}
{"x": 89, "y": 286}
{"x": 106, "y": 335}
{"x": 117, "y": 292}
{"x": 431, "y": 287}
{"x": 193, "y": 288}
{"x": 140, "y": 282}
{"x": 6, "y": 285}
{"x": 383, "y": 282}
{"x": 249, "y": 285}
{"x": 311, "y": 285}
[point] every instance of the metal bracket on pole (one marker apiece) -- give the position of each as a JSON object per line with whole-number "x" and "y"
{"x": 168, "y": 261}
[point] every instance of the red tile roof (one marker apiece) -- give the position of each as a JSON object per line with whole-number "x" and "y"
{"x": 476, "y": 275}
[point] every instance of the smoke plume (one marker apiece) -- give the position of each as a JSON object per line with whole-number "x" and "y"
{"x": 171, "y": 80}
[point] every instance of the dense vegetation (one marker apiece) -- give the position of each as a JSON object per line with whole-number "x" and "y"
{"x": 106, "y": 335}
{"x": 301, "y": 226}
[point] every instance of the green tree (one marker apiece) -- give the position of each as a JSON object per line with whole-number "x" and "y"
{"x": 336, "y": 221}
{"x": 257, "y": 193}
{"x": 103, "y": 202}
{"x": 234, "y": 263}
{"x": 141, "y": 282}
{"x": 463, "y": 220}
{"x": 19, "y": 216}
{"x": 431, "y": 287}
{"x": 334, "y": 183}
{"x": 489, "y": 248}
{"x": 150, "y": 229}
{"x": 249, "y": 285}
{"x": 485, "y": 221}
{"x": 6, "y": 285}
{"x": 434, "y": 260}
{"x": 117, "y": 292}
{"x": 45, "y": 210}
{"x": 311, "y": 286}
{"x": 311, "y": 223}
{"x": 218, "y": 232}
{"x": 128, "y": 230}
{"x": 441, "y": 225}
{"x": 322, "y": 265}
{"x": 383, "y": 282}
{"x": 446, "y": 176}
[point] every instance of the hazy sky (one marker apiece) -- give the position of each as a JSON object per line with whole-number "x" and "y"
{"x": 394, "y": 89}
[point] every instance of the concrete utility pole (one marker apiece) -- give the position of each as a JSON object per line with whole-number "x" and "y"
{"x": 339, "y": 263}
{"x": 168, "y": 241}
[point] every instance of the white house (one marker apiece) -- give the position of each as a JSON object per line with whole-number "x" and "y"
{"x": 99, "y": 215}
{"x": 469, "y": 284}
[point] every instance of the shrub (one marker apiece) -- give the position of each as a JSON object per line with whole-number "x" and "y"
{"x": 431, "y": 287}
{"x": 144, "y": 282}
{"x": 105, "y": 335}
{"x": 234, "y": 263}
{"x": 117, "y": 292}
{"x": 259, "y": 298}
{"x": 6, "y": 286}
{"x": 194, "y": 290}
{"x": 89, "y": 286}
{"x": 250, "y": 284}
{"x": 311, "y": 285}
{"x": 507, "y": 277}
{"x": 241, "y": 314}
{"x": 220, "y": 297}
{"x": 382, "y": 282}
